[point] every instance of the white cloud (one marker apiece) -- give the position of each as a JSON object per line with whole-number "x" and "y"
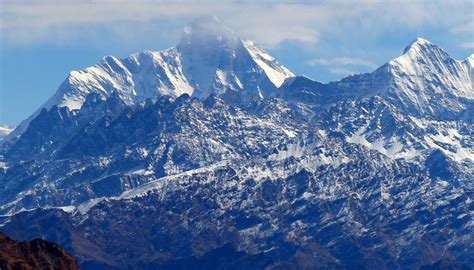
{"x": 319, "y": 61}
{"x": 467, "y": 45}
{"x": 465, "y": 27}
{"x": 346, "y": 61}
{"x": 268, "y": 22}
{"x": 341, "y": 71}
{"x": 355, "y": 61}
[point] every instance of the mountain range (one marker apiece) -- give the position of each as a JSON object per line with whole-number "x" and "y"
{"x": 212, "y": 155}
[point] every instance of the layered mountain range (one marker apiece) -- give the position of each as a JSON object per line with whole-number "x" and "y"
{"x": 212, "y": 155}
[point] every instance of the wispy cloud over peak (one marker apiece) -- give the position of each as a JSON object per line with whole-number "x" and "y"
{"x": 467, "y": 45}
{"x": 268, "y": 22}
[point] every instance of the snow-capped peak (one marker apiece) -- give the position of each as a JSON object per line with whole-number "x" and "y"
{"x": 470, "y": 61}
{"x": 276, "y": 73}
{"x": 210, "y": 58}
{"x": 424, "y": 81}
{"x": 215, "y": 60}
{"x": 428, "y": 80}
{"x": 417, "y": 44}
{"x": 422, "y": 49}
{"x": 208, "y": 41}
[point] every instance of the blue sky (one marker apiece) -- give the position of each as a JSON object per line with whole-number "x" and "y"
{"x": 42, "y": 40}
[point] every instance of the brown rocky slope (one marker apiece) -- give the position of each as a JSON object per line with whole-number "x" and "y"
{"x": 34, "y": 254}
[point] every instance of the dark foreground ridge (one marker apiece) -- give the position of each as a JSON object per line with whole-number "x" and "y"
{"x": 34, "y": 254}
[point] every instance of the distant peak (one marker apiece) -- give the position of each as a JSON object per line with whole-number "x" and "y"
{"x": 421, "y": 41}
{"x": 298, "y": 80}
{"x": 418, "y": 43}
{"x": 470, "y": 60}
{"x": 470, "y": 57}
{"x": 418, "y": 52}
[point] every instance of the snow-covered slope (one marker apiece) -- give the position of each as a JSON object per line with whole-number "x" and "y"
{"x": 418, "y": 102}
{"x": 275, "y": 72}
{"x": 210, "y": 58}
{"x": 426, "y": 93}
{"x": 423, "y": 81}
{"x": 427, "y": 79}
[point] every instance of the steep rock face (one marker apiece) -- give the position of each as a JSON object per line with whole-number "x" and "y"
{"x": 426, "y": 75}
{"x": 34, "y": 254}
{"x": 120, "y": 151}
{"x": 380, "y": 125}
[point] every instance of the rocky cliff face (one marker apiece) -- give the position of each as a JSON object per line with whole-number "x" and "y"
{"x": 34, "y": 254}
